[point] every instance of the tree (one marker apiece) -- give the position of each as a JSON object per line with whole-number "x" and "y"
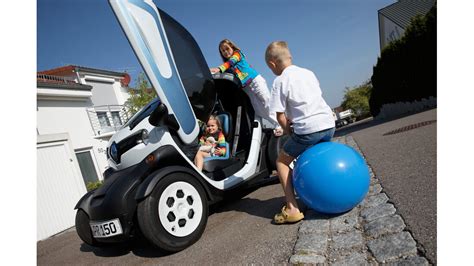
{"x": 357, "y": 99}
{"x": 140, "y": 95}
{"x": 406, "y": 68}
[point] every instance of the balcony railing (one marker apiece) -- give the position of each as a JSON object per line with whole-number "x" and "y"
{"x": 107, "y": 118}
{"x": 54, "y": 79}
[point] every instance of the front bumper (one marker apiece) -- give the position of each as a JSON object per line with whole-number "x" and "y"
{"x": 116, "y": 199}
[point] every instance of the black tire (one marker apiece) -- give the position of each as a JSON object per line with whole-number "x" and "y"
{"x": 174, "y": 216}
{"x": 83, "y": 229}
{"x": 275, "y": 145}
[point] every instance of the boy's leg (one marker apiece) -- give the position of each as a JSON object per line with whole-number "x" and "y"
{"x": 285, "y": 175}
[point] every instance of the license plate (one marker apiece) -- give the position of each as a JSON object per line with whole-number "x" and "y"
{"x": 106, "y": 229}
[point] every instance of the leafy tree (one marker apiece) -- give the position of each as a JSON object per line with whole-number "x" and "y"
{"x": 140, "y": 95}
{"x": 357, "y": 99}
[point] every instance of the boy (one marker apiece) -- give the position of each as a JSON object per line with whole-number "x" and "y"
{"x": 302, "y": 113}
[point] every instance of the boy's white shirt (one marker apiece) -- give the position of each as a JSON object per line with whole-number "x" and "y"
{"x": 296, "y": 93}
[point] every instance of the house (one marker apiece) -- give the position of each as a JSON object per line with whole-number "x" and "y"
{"x": 78, "y": 110}
{"x": 395, "y": 18}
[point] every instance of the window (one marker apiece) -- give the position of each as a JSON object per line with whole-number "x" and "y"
{"x": 86, "y": 164}
{"x": 116, "y": 118}
{"x": 103, "y": 119}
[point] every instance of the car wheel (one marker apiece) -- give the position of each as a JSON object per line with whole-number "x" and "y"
{"x": 275, "y": 145}
{"x": 83, "y": 229}
{"x": 174, "y": 216}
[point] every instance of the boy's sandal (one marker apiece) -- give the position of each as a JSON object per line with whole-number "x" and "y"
{"x": 284, "y": 217}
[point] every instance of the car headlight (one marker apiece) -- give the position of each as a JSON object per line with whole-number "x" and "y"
{"x": 114, "y": 151}
{"x": 144, "y": 137}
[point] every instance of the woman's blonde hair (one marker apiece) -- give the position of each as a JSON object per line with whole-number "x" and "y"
{"x": 277, "y": 51}
{"x": 231, "y": 44}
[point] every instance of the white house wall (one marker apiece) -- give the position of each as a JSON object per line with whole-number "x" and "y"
{"x": 55, "y": 116}
{"x": 106, "y": 90}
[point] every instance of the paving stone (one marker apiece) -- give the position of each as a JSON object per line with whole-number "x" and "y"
{"x": 374, "y": 180}
{"x": 370, "y": 214}
{"x": 311, "y": 244}
{"x": 344, "y": 223}
{"x": 374, "y": 189}
{"x": 348, "y": 240}
{"x": 314, "y": 226}
{"x": 353, "y": 212}
{"x": 372, "y": 201}
{"x": 372, "y": 175}
{"x": 307, "y": 259}
{"x": 339, "y": 240}
{"x": 384, "y": 225}
{"x": 311, "y": 214}
{"x": 352, "y": 259}
{"x": 392, "y": 247}
{"x": 414, "y": 260}
{"x": 350, "y": 140}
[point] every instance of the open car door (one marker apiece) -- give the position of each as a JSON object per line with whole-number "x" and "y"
{"x": 172, "y": 61}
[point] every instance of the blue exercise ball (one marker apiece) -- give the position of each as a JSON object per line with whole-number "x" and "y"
{"x": 331, "y": 177}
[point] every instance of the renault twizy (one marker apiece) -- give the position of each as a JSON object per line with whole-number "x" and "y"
{"x": 152, "y": 187}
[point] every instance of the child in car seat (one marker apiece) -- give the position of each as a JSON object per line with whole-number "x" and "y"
{"x": 214, "y": 130}
{"x": 252, "y": 82}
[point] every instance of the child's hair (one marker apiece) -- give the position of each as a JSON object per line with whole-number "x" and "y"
{"x": 218, "y": 123}
{"x": 231, "y": 44}
{"x": 277, "y": 51}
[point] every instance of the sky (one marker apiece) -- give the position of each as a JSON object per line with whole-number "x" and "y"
{"x": 336, "y": 39}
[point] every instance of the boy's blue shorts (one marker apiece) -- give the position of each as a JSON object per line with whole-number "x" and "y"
{"x": 297, "y": 144}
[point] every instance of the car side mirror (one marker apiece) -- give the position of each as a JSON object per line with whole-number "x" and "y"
{"x": 160, "y": 117}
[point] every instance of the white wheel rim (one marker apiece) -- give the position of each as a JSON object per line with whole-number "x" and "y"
{"x": 180, "y": 209}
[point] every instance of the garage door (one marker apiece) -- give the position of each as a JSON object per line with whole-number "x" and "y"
{"x": 59, "y": 184}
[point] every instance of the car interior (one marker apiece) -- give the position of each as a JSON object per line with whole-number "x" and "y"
{"x": 235, "y": 112}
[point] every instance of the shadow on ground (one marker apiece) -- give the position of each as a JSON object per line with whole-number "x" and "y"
{"x": 370, "y": 122}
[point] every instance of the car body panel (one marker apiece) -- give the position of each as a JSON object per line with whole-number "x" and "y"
{"x": 143, "y": 27}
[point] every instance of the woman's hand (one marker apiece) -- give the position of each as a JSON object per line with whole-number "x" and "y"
{"x": 217, "y": 151}
{"x": 215, "y": 70}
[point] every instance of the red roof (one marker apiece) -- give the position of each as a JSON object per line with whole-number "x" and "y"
{"x": 60, "y": 71}
{"x": 70, "y": 69}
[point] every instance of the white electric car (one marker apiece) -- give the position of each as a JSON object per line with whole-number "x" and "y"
{"x": 152, "y": 186}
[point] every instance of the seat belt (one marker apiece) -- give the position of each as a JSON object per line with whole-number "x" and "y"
{"x": 237, "y": 130}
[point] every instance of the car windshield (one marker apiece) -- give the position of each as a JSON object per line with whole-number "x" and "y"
{"x": 192, "y": 67}
{"x": 142, "y": 114}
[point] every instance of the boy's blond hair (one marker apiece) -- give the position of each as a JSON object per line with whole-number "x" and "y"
{"x": 277, "y": 51}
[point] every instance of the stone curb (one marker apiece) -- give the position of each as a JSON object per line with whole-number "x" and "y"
{"x": 372, "y": 233}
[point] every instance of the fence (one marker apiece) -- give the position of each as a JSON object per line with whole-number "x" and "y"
{"x": 107, "y": 118}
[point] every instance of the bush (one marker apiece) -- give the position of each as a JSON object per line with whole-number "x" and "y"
{"x": 406, "y": 68}
{"x": 93, "y": 185}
